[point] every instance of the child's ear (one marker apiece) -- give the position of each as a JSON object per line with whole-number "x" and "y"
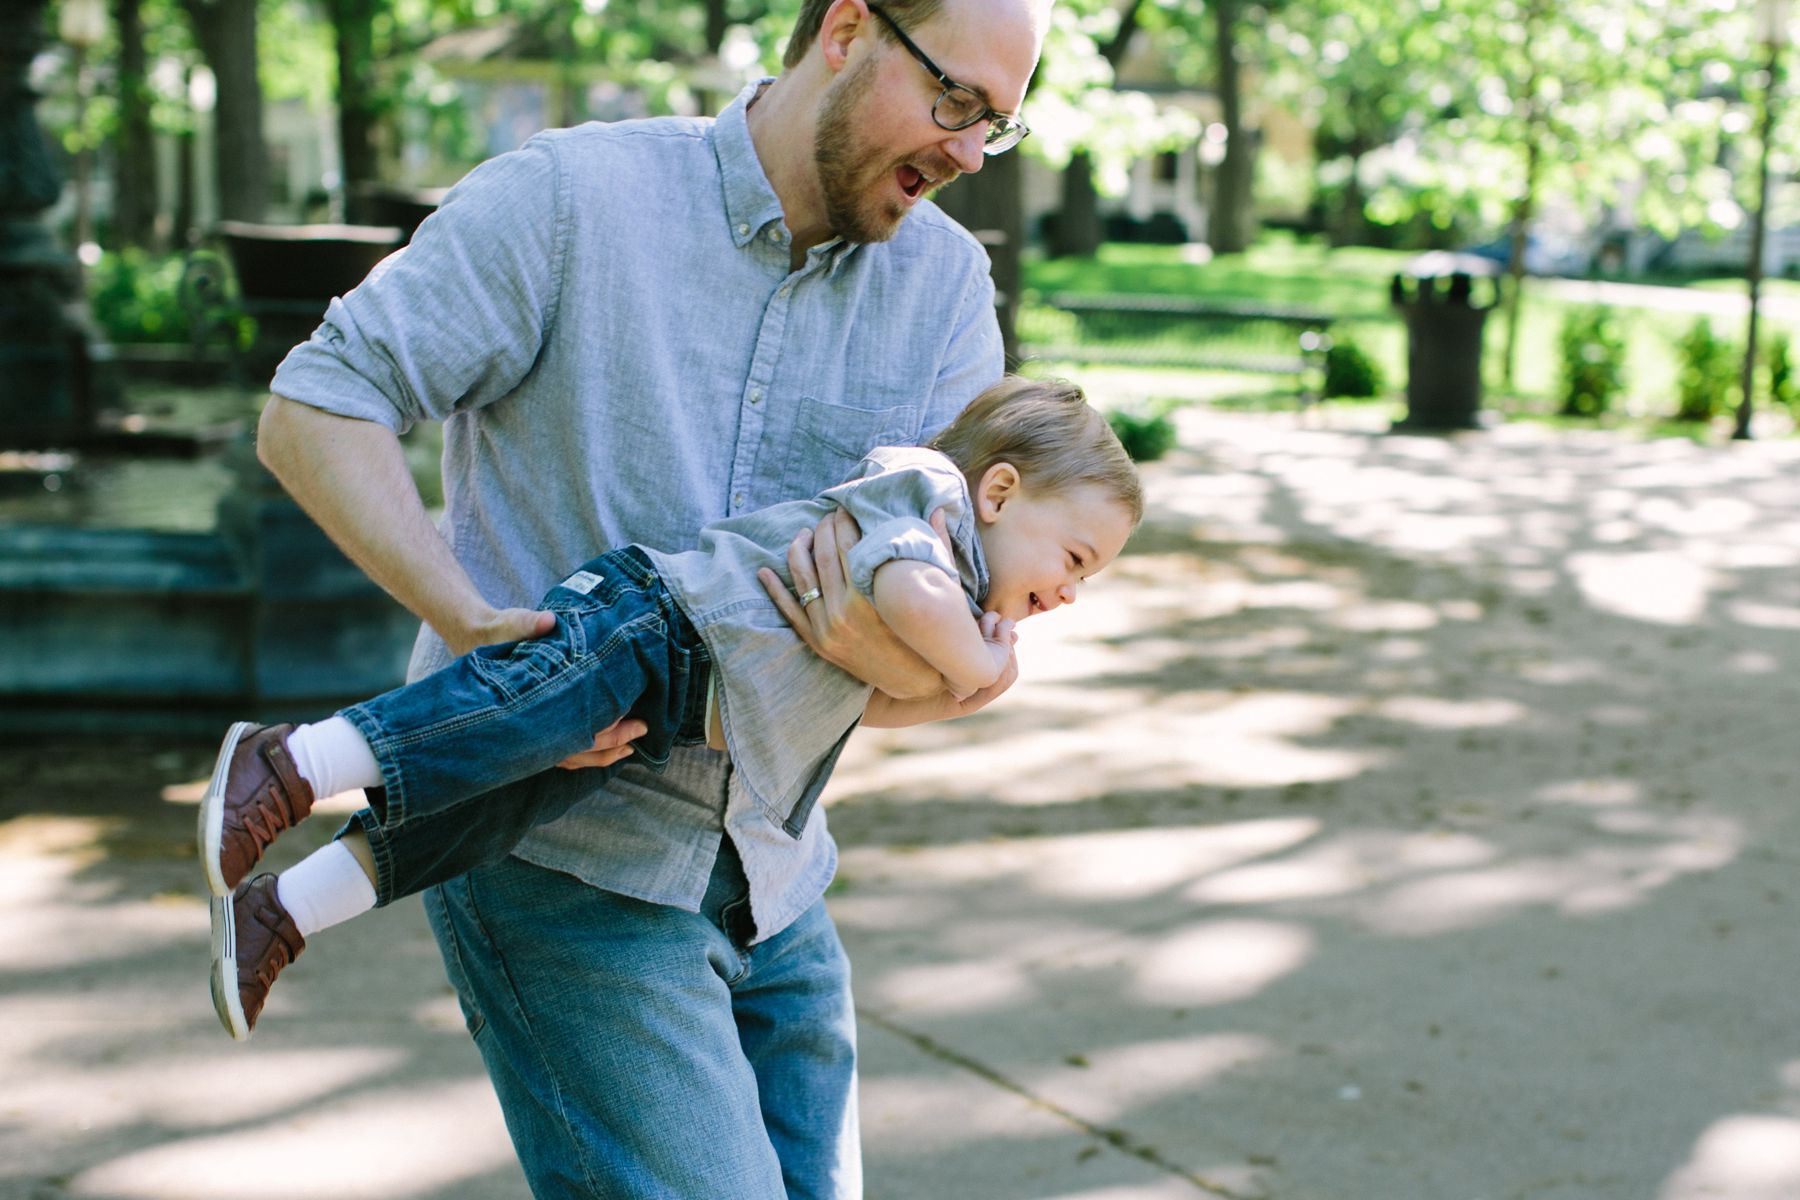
{"x": 999, "y": 484}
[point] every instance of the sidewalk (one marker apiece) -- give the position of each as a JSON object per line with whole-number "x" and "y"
{"x": 1699, "y": 301}
{"x": 1400, "y": 819}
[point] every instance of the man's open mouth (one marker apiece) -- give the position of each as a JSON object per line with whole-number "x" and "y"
{"x": 912, "y": 181}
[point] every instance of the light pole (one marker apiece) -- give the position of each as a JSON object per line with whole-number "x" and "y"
{"x": 1772, "y": 32}
{"x": 81, "y": 24}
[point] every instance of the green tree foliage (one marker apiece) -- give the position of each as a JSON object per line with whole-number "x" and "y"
{"x": 1074, "y": 109}
{"x": 1490, "y": 109}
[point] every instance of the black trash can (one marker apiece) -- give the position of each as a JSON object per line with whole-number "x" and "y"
{"x": 1444, "y": 324}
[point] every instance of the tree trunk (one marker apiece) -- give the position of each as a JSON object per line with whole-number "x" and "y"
{"x": 1349, "y": 222}
{"x": 1515, "y": 270}
{"x": 186, "y": 201}
{"x": 354, "y": 22}
{"x": 990, "y": 204}
{"x": 1076, "y": 231}
{"x": 718, "y": 20}
{"x": 226, "y": 33}
{"x": 134, "y": 164}
{"x": 1229, "y": 225}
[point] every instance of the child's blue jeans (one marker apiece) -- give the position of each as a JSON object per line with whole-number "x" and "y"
{"x": 462, "y": 749}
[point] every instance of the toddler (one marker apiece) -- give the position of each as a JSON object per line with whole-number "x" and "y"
{"x": 1037, "y": 493}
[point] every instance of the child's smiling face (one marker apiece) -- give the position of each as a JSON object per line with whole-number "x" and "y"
{"x": 1041, "y": 545}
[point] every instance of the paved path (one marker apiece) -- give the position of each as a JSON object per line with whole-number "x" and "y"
{"x": 1699, "y": 301}
{"x": 1402, "y": 819}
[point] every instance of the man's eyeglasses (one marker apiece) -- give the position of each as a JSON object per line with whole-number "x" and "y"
{"x": 957, "y": 107}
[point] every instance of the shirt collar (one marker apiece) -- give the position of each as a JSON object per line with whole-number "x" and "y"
{"x": 750, "y": 200}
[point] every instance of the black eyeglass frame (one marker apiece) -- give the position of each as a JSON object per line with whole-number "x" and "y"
{"x": 1000, "y": 126}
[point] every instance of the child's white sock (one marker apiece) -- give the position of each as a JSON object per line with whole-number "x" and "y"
{"x": 325, "y": 888}
{"x": 333, "y": 756}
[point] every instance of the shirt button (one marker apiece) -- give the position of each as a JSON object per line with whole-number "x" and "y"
{"x": 737, "y": 499}
{"x": 775, "y": 235}
{"x": 742, "y": 230}
{"x": 756, "y": 395}
{"x": 785, "y": 289}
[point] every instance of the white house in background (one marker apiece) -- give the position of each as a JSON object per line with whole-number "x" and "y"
{"x": 1177, "y": 184}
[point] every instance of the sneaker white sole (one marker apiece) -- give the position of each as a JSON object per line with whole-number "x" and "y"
{"x": 226, "y": 1001}
{"x": 212, "y": 812}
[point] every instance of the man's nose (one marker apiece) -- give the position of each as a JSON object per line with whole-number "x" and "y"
{"x": 967, "y": 147}
{"x": 1065, "y": 594}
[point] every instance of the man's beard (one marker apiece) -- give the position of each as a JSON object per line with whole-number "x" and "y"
{"x": 845, "y": 169}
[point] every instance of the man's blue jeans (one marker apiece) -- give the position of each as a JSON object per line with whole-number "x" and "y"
{"x": 460, "y": 749}
{"x": 645, "y": 1053}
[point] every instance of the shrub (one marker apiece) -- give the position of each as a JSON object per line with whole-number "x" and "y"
{"x": 1146, "y": 434}
{"x": 1593, "y": 363}
{"x": 1707, "y": 374}
{"x": 136, "y": 297}
{"x": 1782, "y": 389}
{"x": 1350, "y": 372}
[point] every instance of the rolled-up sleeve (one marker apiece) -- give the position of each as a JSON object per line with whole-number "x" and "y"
{"x": 891, "y": 508}
{"x": 456, "y": 319}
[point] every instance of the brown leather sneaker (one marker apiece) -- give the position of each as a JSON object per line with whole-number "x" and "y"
{"x": 255, "y": 793}
{"x": 253, "y": 938}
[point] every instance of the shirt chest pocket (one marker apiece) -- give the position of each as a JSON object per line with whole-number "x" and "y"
{"x": 830, "y": 439}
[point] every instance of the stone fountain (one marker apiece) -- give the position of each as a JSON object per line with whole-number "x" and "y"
{"x": 119, "y": 625}
{"x": 51, "y": 385}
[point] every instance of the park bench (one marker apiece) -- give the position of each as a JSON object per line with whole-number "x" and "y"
{"x": 287, "y": 274}
{"x": 1173, "y": 331}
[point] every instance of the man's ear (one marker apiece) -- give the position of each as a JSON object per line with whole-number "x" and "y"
{"x": 998, "y": 485}
{"x": 842, "y": 23}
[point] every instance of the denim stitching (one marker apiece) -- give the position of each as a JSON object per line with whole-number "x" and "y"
{"x": 464, "y": 721}
{"x": 433, "y": 898}
{"x": 544, "y": 1060}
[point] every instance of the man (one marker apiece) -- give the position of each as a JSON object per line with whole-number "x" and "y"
{"x": 632, "y": 331}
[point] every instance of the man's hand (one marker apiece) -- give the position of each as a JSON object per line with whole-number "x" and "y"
{"x": 519, "y": 624}
{"x": 610, "y": 745}
{"x": 840, "y": 625}
{"x": 499, "y": 625}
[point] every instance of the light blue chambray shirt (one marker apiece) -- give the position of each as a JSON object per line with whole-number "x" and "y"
{"x": 786, "y": 711}
{"x": 607, "y": 324}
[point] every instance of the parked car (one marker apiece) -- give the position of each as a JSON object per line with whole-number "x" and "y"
{"x": 1545, "y": 253}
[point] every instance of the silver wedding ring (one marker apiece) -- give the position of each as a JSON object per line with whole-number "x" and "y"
{"x": 808, "y": 596}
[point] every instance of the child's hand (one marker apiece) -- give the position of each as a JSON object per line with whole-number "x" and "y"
{"x": 1000, "y": 637}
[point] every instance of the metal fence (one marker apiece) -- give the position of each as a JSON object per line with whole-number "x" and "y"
{"x": 1172, "y": 331}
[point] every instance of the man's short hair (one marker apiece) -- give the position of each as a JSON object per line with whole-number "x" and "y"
{"x": 909, "y": 13}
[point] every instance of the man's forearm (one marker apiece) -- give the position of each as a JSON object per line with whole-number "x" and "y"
{"x": 351, "y": 477}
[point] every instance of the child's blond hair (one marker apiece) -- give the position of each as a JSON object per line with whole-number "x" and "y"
{"x": 1049, "y": 432}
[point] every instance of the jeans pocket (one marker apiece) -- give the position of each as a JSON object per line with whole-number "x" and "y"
{"x": 515, "y": 669}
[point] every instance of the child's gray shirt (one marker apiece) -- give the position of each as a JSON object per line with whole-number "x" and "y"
{"x": 786, "y": 711}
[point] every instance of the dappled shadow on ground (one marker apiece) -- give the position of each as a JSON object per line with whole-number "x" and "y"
{"x": 360, "y": 1083}
{"x": 1401, "y": 817}
{"x": 1405, "y": 817}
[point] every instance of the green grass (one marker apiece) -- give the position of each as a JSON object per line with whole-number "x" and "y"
{"x": 1352, "y": 284}
{"x": 1278, "y": 270}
